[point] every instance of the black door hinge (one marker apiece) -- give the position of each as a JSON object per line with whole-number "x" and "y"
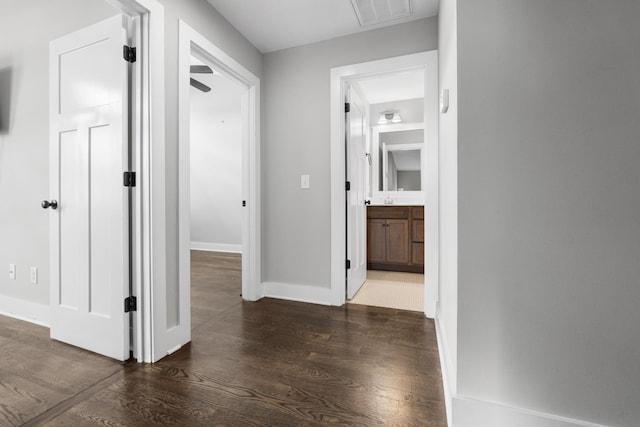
{"x": 347, "y": 186}
{"x": 130, "y": 304}
{"x": 129, "y": 179}
{"x": 348, "y": 264}
{"x": 244, "y": 203}
{"x": 129, "y": 53}
{"x": 347, "y": 107}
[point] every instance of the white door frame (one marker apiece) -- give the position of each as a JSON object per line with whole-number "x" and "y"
{"x": 192, "y": 41}
{"x": 149, "y": 149}
{"x": 339, "y": 76}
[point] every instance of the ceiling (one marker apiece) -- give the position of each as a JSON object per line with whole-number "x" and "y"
{"x": 391, "y": 87}
{"x": 272, "y": 25}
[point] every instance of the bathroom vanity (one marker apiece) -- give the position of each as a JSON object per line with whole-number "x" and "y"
{"x": 395, "y": 238}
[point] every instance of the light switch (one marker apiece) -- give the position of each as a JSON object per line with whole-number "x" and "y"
{"x": 12, "y": 271}
{"x": 34, "y": 275}
{"x": 304, "y": 182}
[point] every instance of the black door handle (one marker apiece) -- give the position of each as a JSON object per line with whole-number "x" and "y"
{"x": 53, "y": 204}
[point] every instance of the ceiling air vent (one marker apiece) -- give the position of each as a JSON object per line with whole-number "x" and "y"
{"x": 372, "y": 12}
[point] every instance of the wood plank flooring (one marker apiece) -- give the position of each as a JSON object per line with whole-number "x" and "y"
{"x": 267, "y": 363}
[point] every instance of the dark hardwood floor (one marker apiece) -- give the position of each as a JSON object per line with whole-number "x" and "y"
{"x": 267, "y": 363}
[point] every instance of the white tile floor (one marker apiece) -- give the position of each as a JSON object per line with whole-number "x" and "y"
{"x": 404, "y": 291}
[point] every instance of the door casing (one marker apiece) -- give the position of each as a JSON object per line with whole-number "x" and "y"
{"x": 148, "y": 141}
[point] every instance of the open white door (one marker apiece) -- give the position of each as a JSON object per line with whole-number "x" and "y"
{"x": 356, "y": 141}
{"x": 88, "y": 155}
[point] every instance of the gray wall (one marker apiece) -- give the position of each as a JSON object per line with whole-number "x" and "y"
{"x": 447, "y": 310}
{"x": 295, "y": 141}
{"x": 409, "y": 180}
{"x": 27, "y": 28}
{"x": 202, "y": 17}
{"x": 549, "y": 206}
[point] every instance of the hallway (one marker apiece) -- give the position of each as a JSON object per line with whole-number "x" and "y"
{"x": 270, "y": 362}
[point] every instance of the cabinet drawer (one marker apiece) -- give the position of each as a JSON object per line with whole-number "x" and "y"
{"x": 417, "y": 232}
{"x": 417, "y": 212}
{"x": 391, "y": 212}
{"x": 417, "y": 253}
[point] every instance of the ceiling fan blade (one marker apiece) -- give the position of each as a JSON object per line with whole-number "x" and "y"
{"x": 201, "y": 69}
{"x": 201, "y": 86}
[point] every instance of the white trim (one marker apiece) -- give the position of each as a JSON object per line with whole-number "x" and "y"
{"x": 150, "y": 244}
{"x": 28, "y": 311}
{"x": 216, "y": 247}
{"x": 341, "y": 75}
{"x": 445, "y": 369}
{"x": 472, "y": 413}
{"x": 192, "y": 42}
{"x": 300, "y": 293}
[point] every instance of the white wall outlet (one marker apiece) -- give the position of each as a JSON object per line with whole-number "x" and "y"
{"x": 304, "y": 182}
{"x": 12, "y": 271}
{"x": 34, "y": 275}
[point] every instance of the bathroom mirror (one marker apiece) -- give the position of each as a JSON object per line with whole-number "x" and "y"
{"x": 401, "y": 165}
{"x": 397, "y": 161}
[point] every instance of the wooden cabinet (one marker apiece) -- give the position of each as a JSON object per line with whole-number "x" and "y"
{"x": 395, "y": 238}
{"x": 387, "y": 241}
{"x": 417, "y": 236}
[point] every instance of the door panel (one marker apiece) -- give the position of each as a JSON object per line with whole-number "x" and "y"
{"x": 106, "y": 261}
{"x": 88, "y": 154}
{"x": 357, "y": 176}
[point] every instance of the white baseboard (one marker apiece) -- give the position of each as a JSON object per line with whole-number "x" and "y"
{"x": 301, "y": 293}
{"x": 25, "y": 310}
{"x": 445, "y": 366}
{"x": 216, "y": 247}
{"x": 479, "y": 413}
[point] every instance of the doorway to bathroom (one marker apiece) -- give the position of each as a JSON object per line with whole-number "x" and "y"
{"x": 382, "y": 225}
{"x": 384, "y": 136}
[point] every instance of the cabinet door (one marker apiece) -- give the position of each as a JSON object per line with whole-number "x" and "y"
{"x": 398, "y": 241}
{"x": 376, "y": 240}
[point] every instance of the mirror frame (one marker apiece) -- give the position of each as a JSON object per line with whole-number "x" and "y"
{"x": 379, "y": 197}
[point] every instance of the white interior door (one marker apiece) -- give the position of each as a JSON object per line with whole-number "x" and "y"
{"x": 356, "y": 127}
{"x": 88, "y": 155}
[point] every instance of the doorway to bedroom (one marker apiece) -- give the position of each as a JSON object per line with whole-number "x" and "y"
{"x": 215, "y": 191}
